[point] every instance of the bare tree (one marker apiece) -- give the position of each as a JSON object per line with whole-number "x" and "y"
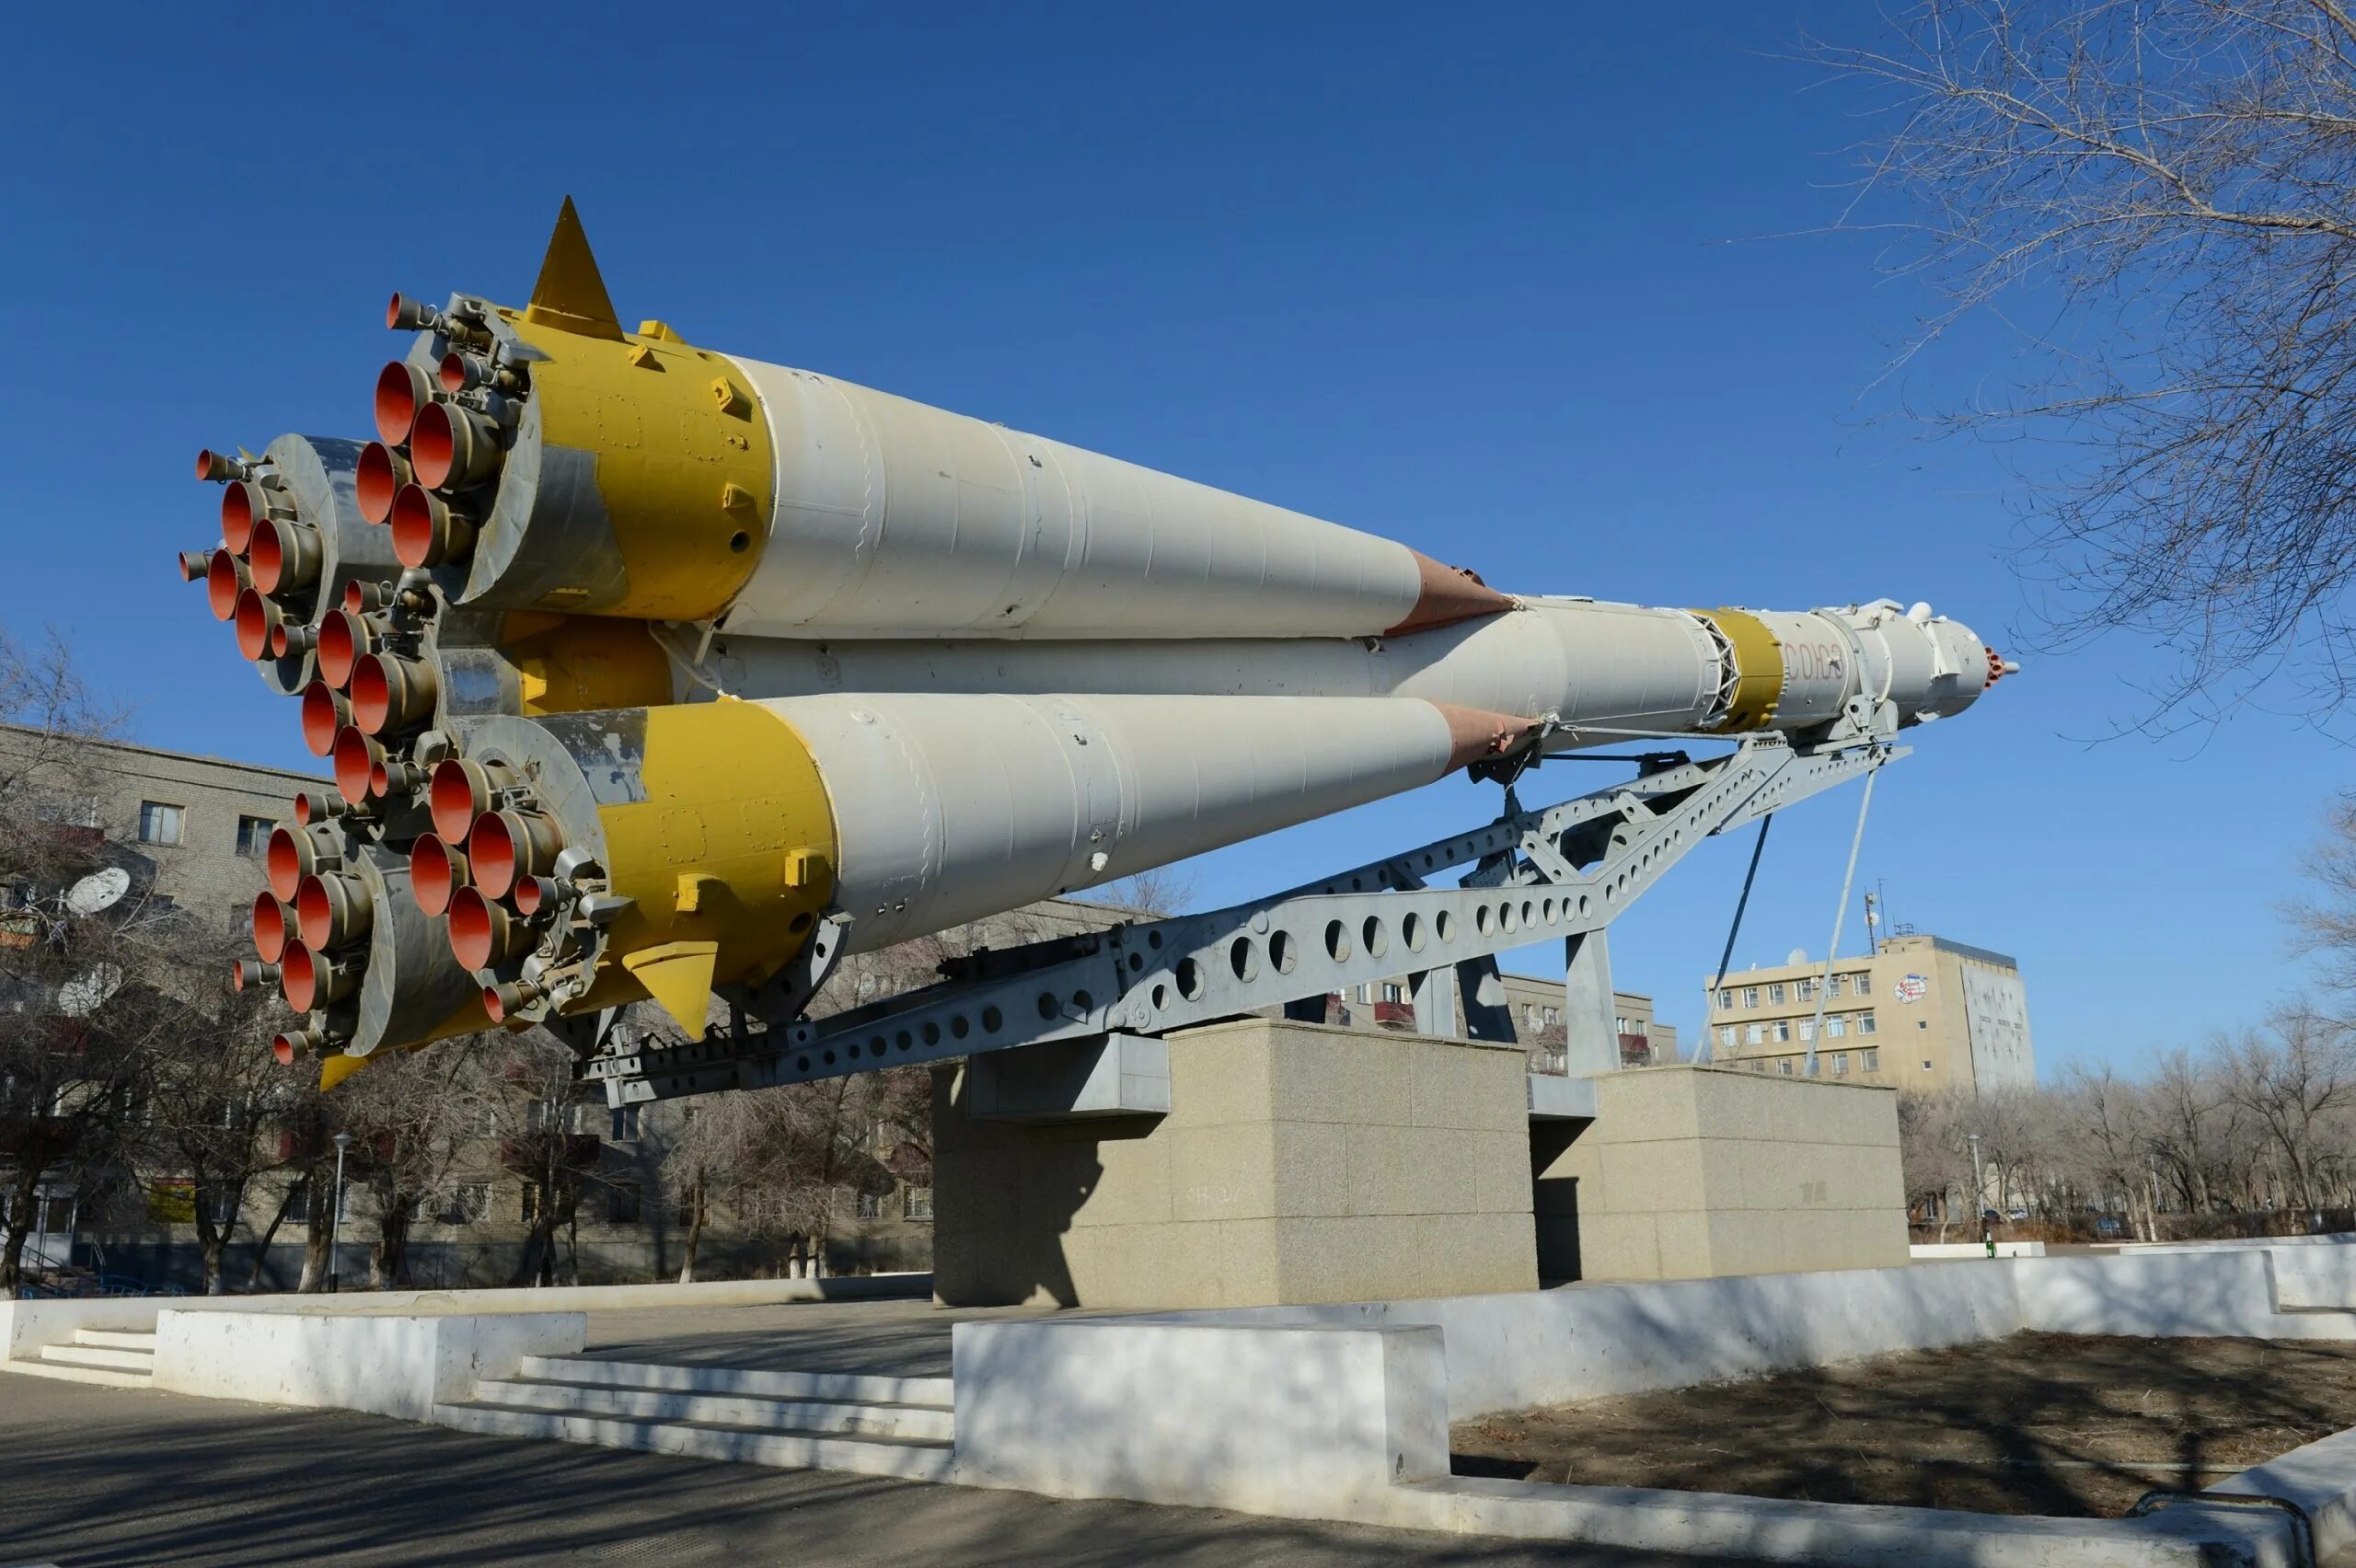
{"x": 528, "y": 1101}
{"x": 412, "y": 1116}
{"x": 2292, "y": 1085}
{"x": 89, "y": 987}
{"x": 214, "y": 1102}
{"x": 2157, "y": 199}
{"x": 1936, "y": 1159}
{"x": 2106, "y": 1130}
{"x": 2324, "y": 924}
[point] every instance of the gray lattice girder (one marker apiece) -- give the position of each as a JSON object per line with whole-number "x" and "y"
{"x": 1559, "y": 871}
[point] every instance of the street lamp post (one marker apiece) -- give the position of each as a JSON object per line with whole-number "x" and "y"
{"x": 335, "y": 1218}
{"x": 1979, "y": 1181}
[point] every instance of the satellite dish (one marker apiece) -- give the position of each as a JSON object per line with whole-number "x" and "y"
{"x": 99, "y": 890}
{"x": 85, "y": 994}
{"x": 1799, "y": 955}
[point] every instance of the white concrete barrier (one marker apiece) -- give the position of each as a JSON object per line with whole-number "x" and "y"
{"x": 589, "y": 1297}
{"x": 384, "y": 1364}
{"x": 2326, "y": 1239}
{"x": 25, "y": 1326}
{"x": 1306, "y": 1421}
{"x": 2313, "y": 1278}
{"x": 1929, "y": 1252}
{"x": 1509, "y": 1352}
{"x": 2319, "y": 1478}
{"x": 2229, "y": 1293}
{"x": 1716, "y": 1527}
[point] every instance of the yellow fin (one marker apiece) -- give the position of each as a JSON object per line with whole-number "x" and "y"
{"x": 570, "y": 293}
{"x": 334, "y": 1069}
{"x": 678, "y": 976}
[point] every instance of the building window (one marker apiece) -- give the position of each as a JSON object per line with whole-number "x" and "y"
{"x": 1529, "y": 1014}
{"x": 1758, "y": 1065}
{"x": 1784, "y": 1067}
{"x": 1725, "y": 1037}
{"x": 253, "y": 835}
{"x": 1922, "y": 1024}
{"x": 467, "y": 1205}
{"x": 1805, "y": 990}
{"x": 1926, "y": 1064}
{"x": 621, "y": 1204}
{"x": 1839, "y": 1064}
{"x": 161, "y": 824}
{"x": 302, "y": 1209}
{"x": 1754, "y": 1034}
{"x": 916, "y": 1202}
{"x": 1783, "y": 1030}
{"x": 1835, "y": 1027}
{"x": 1775, "y": 995}
{"x": 1725, "y": 999}
{"x": 1865, "y": 984}
{"x": 1865, "y": 1023}
{"x": 870, "y": 1205}
{"x": 1833, "y": 988}
{"x": 1870, "y": 1061}
{"x": 1808, "y": 1029}
{"x": 624, "y": 1121}
{"x": 1751, "y": 996}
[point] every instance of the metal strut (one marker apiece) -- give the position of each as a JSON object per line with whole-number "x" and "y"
{"x": 1541, "y": 875}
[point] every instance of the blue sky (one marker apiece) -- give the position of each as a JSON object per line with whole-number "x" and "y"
{"x": 1484, "y": 279}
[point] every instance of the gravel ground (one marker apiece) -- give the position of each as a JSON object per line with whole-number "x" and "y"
{"x": 2037, "y": 1423}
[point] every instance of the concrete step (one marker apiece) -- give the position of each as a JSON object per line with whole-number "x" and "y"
{"x": 922, "y": 1423}
{"x": 898, "y": 1457}
{"x": 833, "y": 1387}
{"x": 65, "y": 1374}
{"x": 117, "y": 1339}
{"x": 143, "y": 1361}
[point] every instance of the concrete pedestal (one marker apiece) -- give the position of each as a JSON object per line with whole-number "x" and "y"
{"x": 1690, "y": 1172}
{"x": 1296, "y": 1163}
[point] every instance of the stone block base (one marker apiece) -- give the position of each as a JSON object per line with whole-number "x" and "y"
{"x": 1297, "y": 1163}
{"x": 1691, "y": 1171}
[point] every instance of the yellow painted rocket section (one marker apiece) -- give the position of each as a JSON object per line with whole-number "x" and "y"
{"x": 683, "y": 462}
{"x": 1758, "y": 670}
{"x": 334, "y": 1069}
{"x": 727, "y": 862}
{"x": 581, "y": 663}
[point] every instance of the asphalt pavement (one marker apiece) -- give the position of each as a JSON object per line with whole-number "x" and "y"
{"x": 93, "y": 1476}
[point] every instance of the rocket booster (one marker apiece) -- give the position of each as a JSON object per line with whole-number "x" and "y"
{"x": 635, "y": 475}
{"x": 635, "y": 660}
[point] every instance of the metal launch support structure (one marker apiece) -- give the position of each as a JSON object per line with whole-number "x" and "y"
{"x": 1564, "y": 870}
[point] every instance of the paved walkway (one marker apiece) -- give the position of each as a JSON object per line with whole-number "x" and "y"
{"x": 900, "y": 1339}
{"x": 106, "y": 1476}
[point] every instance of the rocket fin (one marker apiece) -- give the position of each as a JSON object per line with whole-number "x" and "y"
{"x": 334, "y": 1069}
{"x": 677, "y": 975}
{"x": 570, "y": 293}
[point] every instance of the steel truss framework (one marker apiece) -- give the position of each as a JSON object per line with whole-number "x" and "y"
{"x": 1557, "y": 871}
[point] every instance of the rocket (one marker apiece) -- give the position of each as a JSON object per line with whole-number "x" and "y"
{"x": 634, "y": 660}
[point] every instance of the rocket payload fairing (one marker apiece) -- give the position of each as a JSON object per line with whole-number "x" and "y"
{"x": 634, "y": 660}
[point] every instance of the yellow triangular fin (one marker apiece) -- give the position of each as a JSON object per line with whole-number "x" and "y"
{"x": 334, "y": 1069}
{"x": 570, "y": 293}
{"x": 678, "y": 976}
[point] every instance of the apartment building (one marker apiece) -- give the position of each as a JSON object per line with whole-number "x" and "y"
{"x": 1921, "y": 1012}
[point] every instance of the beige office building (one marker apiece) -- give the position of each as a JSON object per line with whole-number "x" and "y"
{"x": 1921, "y": 1013}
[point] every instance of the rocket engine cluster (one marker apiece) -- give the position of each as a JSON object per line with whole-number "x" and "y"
{"x": 634, "y": 658}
